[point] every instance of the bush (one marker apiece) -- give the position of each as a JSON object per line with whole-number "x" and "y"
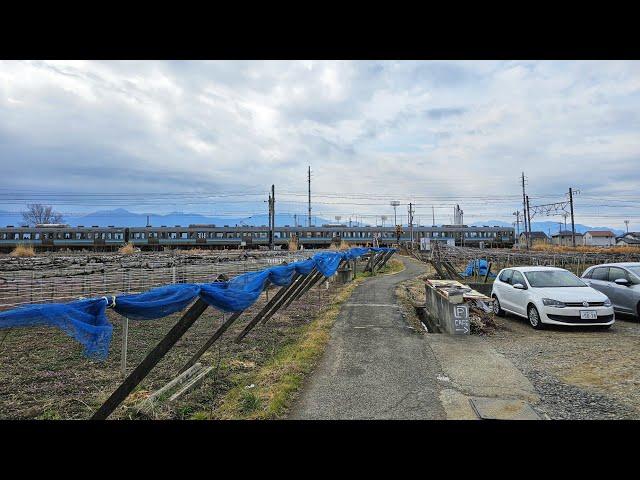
{"x": 127, "y": 249}
{"x": 23, "y": 251}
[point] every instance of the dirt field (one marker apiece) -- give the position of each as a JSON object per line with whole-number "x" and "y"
{"x": 44, "y": 375}
{"x": 580, "y": 373}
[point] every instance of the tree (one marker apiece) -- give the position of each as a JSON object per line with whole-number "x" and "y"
{"x": 37, "y": 213}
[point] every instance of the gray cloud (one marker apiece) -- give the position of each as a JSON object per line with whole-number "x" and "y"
{"x": 415, "y": 128}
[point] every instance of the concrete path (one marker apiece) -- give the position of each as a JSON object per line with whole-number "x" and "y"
{"x": 375, "y": 365}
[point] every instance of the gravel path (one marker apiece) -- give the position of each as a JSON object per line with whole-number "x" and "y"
{"x": 578, "y": 373}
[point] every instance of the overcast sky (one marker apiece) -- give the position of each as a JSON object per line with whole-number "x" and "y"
{"x": 432, "y": 132}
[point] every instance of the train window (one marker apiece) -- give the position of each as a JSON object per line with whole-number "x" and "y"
{"x": 173, "y": 235}
{"x": 184, "y": 235}
{"x": 67, "y": 235}
{"x": 26, "y": 236}
{"x": 36, "y": 236}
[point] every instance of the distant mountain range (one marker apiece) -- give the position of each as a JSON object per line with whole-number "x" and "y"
{"x": 121, "y": 217}
{"x": 548, "y": 227}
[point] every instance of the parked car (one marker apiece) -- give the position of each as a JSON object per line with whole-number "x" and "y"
{"x": 618, "y": 281}
{"x": 550, "y": 295}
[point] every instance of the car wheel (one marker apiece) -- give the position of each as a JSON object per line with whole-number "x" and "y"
{"x": 497, "y": 309}
{"x": 534, "y": 318}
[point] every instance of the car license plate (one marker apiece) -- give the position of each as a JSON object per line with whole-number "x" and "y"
{"x": 588, "y": 315}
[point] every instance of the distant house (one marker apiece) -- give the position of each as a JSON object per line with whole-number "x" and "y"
{"x": 536, "y": 238}
{"x": 599, "y": 238}
{"x": 629, "y": 239}
{"x": 564, "y": 238}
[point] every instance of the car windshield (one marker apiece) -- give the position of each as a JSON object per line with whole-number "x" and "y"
{"x": 553, "y": 278}
{"x": 635, "y": 269}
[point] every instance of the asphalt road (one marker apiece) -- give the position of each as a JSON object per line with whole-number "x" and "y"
{"x": 375, "y": 365}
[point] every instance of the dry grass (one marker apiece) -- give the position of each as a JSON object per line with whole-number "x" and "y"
{"x": 582, "y": 249}
{"x": 293, "y": 244}
{"x": 127, "y": 249}
{"x": 23, "y": 251}
{"x": 340, "y": 247}
{"x": 276, "y": 383}
{"x": 193, "y": 251}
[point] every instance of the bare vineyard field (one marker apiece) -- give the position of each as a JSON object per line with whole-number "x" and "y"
{"x": 65, "y": 277}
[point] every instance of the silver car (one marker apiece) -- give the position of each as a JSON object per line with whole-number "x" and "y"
{"x": 618, "y": 281}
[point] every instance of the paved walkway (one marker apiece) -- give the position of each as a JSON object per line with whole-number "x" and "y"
{"x": 375, "y": 366}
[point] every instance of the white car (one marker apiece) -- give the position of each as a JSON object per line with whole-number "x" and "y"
{"x": 550, "y": 295}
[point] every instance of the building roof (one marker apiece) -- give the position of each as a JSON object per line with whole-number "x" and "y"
{"x": 565, "y": 233}
{"x": 629, "y": 240}
{"x": 535, "y": 234}
{"x": 600, "y": 233}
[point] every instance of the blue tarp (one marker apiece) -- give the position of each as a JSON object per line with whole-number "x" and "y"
{"x": 86, "y": 320}
{"x": 477, "y": 266}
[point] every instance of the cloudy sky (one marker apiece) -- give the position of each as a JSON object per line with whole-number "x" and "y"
{"x": 91, "y": 135}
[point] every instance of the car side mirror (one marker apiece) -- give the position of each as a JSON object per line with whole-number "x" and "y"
{"x": 519, "y": 286}
{"x": 622, "y": 281}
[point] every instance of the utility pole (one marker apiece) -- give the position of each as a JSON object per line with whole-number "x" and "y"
{"x": 573, "y": 227}
{"x": 626, "y": 222}
{"x": 517, "y": 214}
{"x": 411, "y": 222}
{"x": 433, "y": 216}
{"x": 272, "y": 217}
{"x": 309, "y": 180}
{"x": 526, "y": 212}
{"x": 528, "y": 218}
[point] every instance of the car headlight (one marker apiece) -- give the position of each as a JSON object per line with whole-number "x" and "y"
{"x": 607, "y": 303}
{"x": 550, "y": 302}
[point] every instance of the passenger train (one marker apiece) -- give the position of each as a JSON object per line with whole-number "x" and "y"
{"x": 58, "y": 236}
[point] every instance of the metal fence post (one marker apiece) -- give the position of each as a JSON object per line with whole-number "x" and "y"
{"x": 125, "y": 337}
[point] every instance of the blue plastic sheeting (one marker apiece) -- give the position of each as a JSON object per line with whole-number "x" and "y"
{"x": 478, "y": 266}
{"x": 86, "y": 320}
{"x": 156, "y": 303}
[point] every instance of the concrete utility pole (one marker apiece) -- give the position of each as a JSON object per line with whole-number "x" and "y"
{"x": 573, "y": 227}
{"x": 626, "y": 222}
{"x": 309, "y": 180}
{"x": 272, "y": 217}
{"x": 528, "y": 221}
{"x": 411, "y": 222}
{"x": 433, "y": 216}
{"x": 526, "y": 213}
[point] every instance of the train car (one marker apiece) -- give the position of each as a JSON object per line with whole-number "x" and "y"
{"x": 61, "y": 236}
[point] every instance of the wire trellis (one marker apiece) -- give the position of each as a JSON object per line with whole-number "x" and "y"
{"x": 47, "y": 285}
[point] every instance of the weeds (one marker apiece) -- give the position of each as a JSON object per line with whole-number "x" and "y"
{"x": 23, "y": 251}
{"x": 127, "y": 249}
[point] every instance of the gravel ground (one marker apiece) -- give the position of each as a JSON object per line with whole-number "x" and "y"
{"x": 579, "y": 373}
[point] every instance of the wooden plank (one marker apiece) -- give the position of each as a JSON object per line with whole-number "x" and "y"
{"x": 284, "y": 299}
{"x": 308, "y": 279}
{"x": 276, "y": 298}
{"x": 151, "y": 360}
{"x": 147, "y": 405}
{"x": 386, "y": 260}
{"x": 218, "y": 333}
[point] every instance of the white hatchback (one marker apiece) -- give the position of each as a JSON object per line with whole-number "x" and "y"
{"x": 550, "y": 295}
